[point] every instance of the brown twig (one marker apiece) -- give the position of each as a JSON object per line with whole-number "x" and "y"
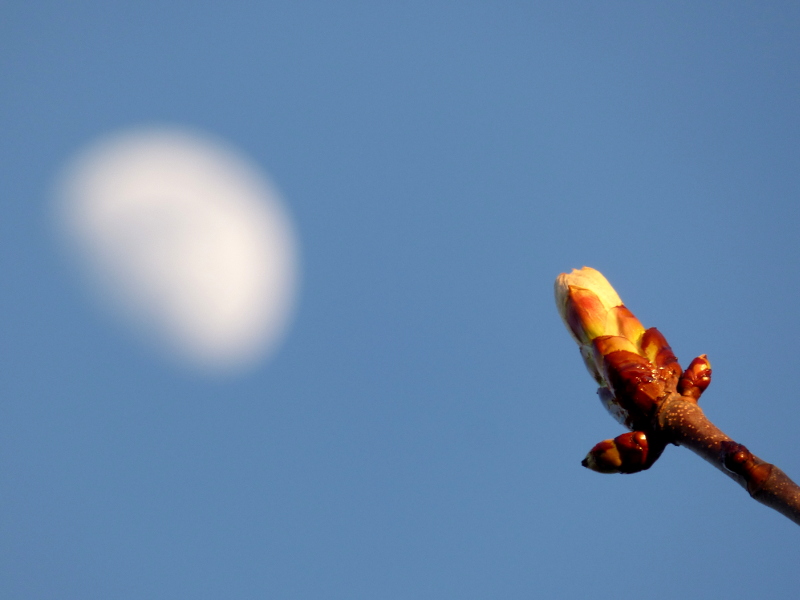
{"x": 683, "y": 422}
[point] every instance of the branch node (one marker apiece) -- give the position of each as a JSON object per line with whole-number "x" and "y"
{"x": 740, "y": 461}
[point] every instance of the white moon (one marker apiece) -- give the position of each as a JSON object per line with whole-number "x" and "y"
{"x": 187, "y": 239}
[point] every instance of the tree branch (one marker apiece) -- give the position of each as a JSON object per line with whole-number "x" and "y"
{"x": 643, "y": 387}
{"x": 683, "y": 422}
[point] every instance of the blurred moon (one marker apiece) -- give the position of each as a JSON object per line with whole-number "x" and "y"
{"x": 187, "y": 239}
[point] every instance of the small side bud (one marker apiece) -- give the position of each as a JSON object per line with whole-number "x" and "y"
{"x": 626, "y": 453}
{"x": 696, "y": 378}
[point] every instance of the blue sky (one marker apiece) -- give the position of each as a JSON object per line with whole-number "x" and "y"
{"x": 419, "y": 432}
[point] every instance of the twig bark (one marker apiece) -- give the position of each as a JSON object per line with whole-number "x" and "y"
{"x": 683, "y": 422}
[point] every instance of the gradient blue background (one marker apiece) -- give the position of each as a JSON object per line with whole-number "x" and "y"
{"x": 419, "y": 434}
